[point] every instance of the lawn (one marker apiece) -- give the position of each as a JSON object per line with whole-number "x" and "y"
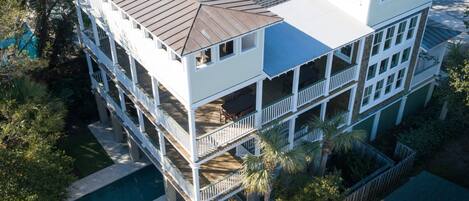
{"x": 80, "y": 144}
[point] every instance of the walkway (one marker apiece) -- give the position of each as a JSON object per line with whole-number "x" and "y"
{"x": 122, "y": 167}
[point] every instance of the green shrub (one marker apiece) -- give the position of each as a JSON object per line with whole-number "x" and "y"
{"x": 327, "y": 188}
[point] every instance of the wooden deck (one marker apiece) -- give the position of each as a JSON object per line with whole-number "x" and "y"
{"x": 210, "y": 171}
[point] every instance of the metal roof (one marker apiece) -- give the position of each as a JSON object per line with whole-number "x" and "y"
{"x": 282, "y": 55}
{"x": 187, "y": 26}
{"x": 435, "y": 34}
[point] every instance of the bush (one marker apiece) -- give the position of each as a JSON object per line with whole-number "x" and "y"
{"x": 354, "y": 166}
{"x": 327, "y": 188}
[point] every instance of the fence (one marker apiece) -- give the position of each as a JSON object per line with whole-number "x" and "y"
{"x": 277, "y": 110}
{"x": 389, "y": 179}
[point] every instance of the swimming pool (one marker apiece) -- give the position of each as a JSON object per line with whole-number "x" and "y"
{"x": 145, "y": 184}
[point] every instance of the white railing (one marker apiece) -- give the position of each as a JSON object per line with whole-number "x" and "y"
{"x": 173, "y": 127}
{"x": 311, "y": 93}
{"x": 225, "y": 134}
{"x": 178, "y": 177}
{"x": 306, "y": 135}
{"x": 340, "y": 79}
{"x": 277, "y": 110}
{"x": 424, "y": 75}
{"x": 224, "y": 185}
{"x": 146, "y": 101}
{"x": 122, "y": 77}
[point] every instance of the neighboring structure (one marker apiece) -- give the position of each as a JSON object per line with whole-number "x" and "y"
{"x": 190, "y": 81}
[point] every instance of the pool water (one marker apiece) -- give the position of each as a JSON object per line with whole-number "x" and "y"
{"x": 145, "y": 184}
{"x": 28, "y": 43}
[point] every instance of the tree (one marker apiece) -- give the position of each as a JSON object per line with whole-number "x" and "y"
{"x": 326, "y": 188}
{"x": 333, "y": 139}
{"x": 31, "y": 122}
{"x": 260, "y": 172}
{"x": 458, "y": 71}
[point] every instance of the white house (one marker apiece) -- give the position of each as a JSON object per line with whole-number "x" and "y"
{"x": 190, "y": 81}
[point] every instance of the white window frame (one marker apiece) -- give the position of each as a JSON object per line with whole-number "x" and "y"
{"x": 389, "y": 83}
{"x": 389, "y": 38}
{"x": 212, "y": 58}
{"x": 378, "y": 90}
{"x": 256, "y": 38}
{"x": 411, "y": 30}
{"x": 228, "y": 55}
{"x": 400, "y": 33}
{"x": 377, "y": 44}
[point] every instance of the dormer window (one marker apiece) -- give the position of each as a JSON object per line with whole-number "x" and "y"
{"x": 136, "y": 25}
{"x": 204, "y": 57}
{"x": 148, "y": 35}
{"x": 226, "y": 49}
{"x": 160, "y": 45}
{"x": 248, "y": 42}
{"x": 125, "y": 16}
{"x": 174, "y": 56}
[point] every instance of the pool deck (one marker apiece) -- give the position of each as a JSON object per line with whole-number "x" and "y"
{"x": 122, "y": 167}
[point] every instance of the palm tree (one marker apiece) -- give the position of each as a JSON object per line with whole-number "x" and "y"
{"x": 260, "y": 172}
{"x": 333, "y": 139}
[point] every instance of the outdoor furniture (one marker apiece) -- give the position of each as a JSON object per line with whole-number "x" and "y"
{"x": 237, "y": 107}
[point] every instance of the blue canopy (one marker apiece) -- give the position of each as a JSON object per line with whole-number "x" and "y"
{"x": 286, "y": 47}
{"x": 435, "y": 34}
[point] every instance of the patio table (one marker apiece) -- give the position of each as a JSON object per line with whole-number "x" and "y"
{"x": 238, "y": 106}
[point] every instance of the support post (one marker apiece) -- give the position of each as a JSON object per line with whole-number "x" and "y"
{"x": 95, "y": 31}
{"x": 112, "y": 43}
{"x": 90, "y": 69}
{"x": 117, "y": 128}
{"x": 291, "y": 133}
{"x": 400, "y": 115}
{"x": 350, "y": 104}
{"x": 361, "y": 47}
{"x": 374, "y": 129}
{"x": 156, "y": 93}
{"x": 133, "y": 70}
{"x": 102, "y": 110}
{"x": 121, "y": 99}
{"x": 133, "y": 148}
{"x": 196, "y": 181}
{"x": 327, "y": 75}
{"x": 192, "y": 134}
{"x": 258, "y": 119}
{"x": 296, "y": 80}
{"x": 429, "y": 93}
{"x": 141, "y": 123}
{"x": 322, "y": 116}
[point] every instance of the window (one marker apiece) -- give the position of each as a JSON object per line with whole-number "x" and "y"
{"x": 395, "y": 60}
{"x": 136, "y": 25}
{"x": 389, "y": 35}
{"x": 148, "y": 35}
{"x": 412, "y": 25}
{"x": 125, "y": 16}
{"x": 347, "y": 50}
{"x": 400, "y": 76}
{"x": 371, "y": 71}
{"x": 405, "y": 55}
{"x": 204, "y": 57}
{"x": 389, "y": 83}
{"x": 379, "y": 87}
{"x": 174, "y": 56}
{"x": 383, "y": 66}
{"x": 366, "y": 95}
{"x": 400, "y": 32}
{"x": 226, "y": 49}
{"x": 248, "y": 42}
{"x": 377, "y": 43}
{"x": 160, "y": 45}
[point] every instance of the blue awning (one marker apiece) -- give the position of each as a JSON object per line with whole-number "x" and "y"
{"x": 286, "y": 47}
{"x": 435, "y": 34}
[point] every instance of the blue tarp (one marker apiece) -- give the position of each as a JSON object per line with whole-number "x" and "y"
{"x": 435, "y": 34}
{"x": 27, "y": 43}
{"x": 286, "y": 47}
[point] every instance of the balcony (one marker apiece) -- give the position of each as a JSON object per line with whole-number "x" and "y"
{"x": 217, "y": 176}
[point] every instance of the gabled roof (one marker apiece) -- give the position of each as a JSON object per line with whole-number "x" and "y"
{"x": 190, "y": 25}
{"x": 435, "y": 34}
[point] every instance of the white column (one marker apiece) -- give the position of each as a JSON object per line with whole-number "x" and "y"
{"x": 353, "y": 92}
{"x": 112, "y": 43}
{"x": 429, "y": 93}
{"x": 90, "y": 69}
{"x": 374, "y": 129}
{"x": 117, "y": 128}
{"x": 330, "y": 57}
{"x": 141, "y": 123}
{"x": 192, "y": 134}
{"x": 361, "y": 47}
{"x": 121, "y": 98}
{"x": 296, "y": 80}
{"x": 162, "y": 142}
{"x": 258, "y": 121}
{"x": 133, "y": 148}
{"x": 322, "y": 115}
{"x": 133, "y": 70}
{"x": 400, "y": 115}
{"x": 95, "y": 31}
{"x": 80, "y": 16}
{"x": 102, "y": 109}
{"x": 105, "y": 80}
{"x": 196, "y": 181}
{"x": 291, "y": 133}
{"x": 156, "y": 93}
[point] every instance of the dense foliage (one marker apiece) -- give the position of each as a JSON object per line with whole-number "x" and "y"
{"x": 326, "y": 188}
{"x": 457, "y": 64}
{"x": 31, "y": 122}
{"x": 353, "y": 165}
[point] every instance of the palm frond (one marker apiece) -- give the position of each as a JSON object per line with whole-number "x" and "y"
{"x": 311, "y": 149}
{"x": 256, "y": 178}
{"x": 344, "y": 141}
{"x": 293, "y": 160}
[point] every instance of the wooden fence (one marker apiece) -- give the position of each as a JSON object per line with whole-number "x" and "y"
{"x": 389, "y": 179}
